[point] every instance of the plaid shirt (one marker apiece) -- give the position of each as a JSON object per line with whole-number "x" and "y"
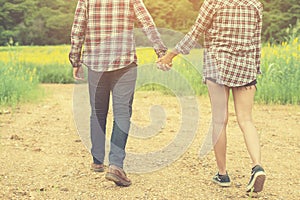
{"x": 232, "y": 31}
{"x": 105, "y": 27}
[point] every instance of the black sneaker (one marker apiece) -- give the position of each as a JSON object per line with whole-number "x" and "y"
{"x": 222, "y": 180}
{"x": 257, "y": 180}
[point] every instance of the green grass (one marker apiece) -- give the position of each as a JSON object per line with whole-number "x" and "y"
{"x": 23, "y": 68}
{"x": 280, "y": 79}
{"x": 184, "y": 79}
{"x": 17, "y": 84}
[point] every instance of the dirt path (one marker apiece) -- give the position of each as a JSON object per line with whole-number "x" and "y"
{"x": 42, "y": 157}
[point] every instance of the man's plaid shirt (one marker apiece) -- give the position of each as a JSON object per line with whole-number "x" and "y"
{"x": 232, "y": 30}
{"x": 105, "y": 27}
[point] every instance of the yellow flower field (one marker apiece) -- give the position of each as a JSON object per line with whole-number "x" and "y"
{"x": 26, "y": 65}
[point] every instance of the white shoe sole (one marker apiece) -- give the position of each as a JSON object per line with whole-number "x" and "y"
{"x": 222, "y": 184}
{"x": 257, "y": 183}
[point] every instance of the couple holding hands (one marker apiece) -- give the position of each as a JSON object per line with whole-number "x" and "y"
{"x": 232, "y": 49}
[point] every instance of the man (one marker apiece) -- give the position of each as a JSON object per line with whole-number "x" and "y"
{"x": 105, "y": 28}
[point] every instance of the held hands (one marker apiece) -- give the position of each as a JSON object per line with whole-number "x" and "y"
{"x": 165, "y": 63}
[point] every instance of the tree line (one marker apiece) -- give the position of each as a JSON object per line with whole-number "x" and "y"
{"x": 48, "y": 22}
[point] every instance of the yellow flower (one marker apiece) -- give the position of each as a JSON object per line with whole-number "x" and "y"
{"x": 295, "y": 41}
{"x": 295, "y": 55}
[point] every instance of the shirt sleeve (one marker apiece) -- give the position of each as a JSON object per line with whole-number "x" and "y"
{"x": 257, "y": 42}
{"x": 202, "y": 23}
{"x": 78, "y": 33}
{"x": 149, "y": 27}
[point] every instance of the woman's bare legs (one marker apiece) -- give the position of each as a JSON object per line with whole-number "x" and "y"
{"x": 219, "y": 104}
{"x": 243, "y": 102}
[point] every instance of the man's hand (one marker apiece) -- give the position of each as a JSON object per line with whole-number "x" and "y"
{"x": 78, "y": 73}
{"x": 165, "y": 63}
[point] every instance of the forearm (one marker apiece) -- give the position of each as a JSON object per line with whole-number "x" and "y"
{"x": 149, "y": 28}
{"x": 78, "y": 33}
{"x": 202, "y": 23}
{"x": 75, "y": 52}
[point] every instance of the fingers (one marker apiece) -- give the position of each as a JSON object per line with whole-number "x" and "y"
{"x": 164, "y": 67}
{"x": 78, "y": 73}
{"x": 164, "y": 63}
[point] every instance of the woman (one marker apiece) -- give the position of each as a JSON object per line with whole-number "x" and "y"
{"x": 232, "y": 31}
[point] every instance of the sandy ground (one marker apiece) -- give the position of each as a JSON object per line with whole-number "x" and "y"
{"x": 42, "y": 156}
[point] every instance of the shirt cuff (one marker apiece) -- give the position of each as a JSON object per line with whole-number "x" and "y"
{"x": 76, "y": 65}
{"x": 160, "y": 52}
{"x": 75, "y": 62}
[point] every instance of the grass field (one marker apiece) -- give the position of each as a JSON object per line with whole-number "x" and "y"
{"x": 18, "y": 80}
{"x": 22, "y": 68}
{"x": 280, "y": 82}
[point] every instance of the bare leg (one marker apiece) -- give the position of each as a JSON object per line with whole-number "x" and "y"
{"x": 243, "y": 102}
{"x": 219, "y": 103}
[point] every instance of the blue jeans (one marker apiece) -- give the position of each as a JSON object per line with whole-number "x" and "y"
{"x": 121, "y": 83}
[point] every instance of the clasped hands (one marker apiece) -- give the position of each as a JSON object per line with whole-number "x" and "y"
{"x": 165, "y": 63}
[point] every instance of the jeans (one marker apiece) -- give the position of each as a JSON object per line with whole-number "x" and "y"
{"x": 121, "y": 84}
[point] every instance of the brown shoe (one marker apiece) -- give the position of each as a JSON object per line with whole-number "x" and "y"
{"x": 97, "y": 167}
{"x": 118, "y": 176}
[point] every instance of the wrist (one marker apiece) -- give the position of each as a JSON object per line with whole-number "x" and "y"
{"x": 172, "y": 54}
{"x": 76, "y": 65}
